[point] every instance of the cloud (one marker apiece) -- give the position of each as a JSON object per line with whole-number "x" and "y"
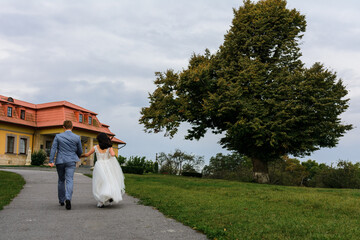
{"x": 102, "y": 55}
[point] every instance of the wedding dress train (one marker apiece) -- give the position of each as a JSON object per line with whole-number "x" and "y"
{"x": 108, "y": 179}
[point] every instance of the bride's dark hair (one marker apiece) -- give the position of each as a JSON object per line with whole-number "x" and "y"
{"x": 104, "y": 141}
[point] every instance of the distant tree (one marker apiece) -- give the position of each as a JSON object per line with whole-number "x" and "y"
{"x": 139, "y": 162}
{"x": 178, "y": 157}
{"x": 255, "y": 90}
{"x": 172, "y": 163}
{"x": 313, "y": 168}
{"x": 288, "y": 171}
{"x": 121, "y": 159}
{"x": 136, "y": 161}
{"x": 156, "y": 167}
{"x": 188, "y": 168}
{"x": 168, "y": 168}
{"x": 161, "y": 158}
{"x": 344, "y": 175}
{"x": 149, "y": 166}
{"x": 232, "y": 166}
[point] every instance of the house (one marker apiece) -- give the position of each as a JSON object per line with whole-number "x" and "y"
{"x": 27, "y": 127}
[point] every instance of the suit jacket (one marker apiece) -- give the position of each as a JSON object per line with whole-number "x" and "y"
{"x": 68, "y": 148}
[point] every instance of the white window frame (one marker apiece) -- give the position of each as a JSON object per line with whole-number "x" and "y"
{"x": 7, "y": 143}
{"x": 21, "y": 116}
{"x": 9, "y": 113}
{"x": 26, "y": 144}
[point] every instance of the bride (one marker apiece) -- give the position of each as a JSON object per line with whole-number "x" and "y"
{"x": 108, "y": 179}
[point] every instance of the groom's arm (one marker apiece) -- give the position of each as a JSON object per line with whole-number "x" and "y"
{"x": 79, "y": 148}
{"x": 53, "y": 151}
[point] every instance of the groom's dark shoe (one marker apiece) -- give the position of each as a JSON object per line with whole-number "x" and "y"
{"x": 62, "y": 204}
{"x": 68, "y": 204}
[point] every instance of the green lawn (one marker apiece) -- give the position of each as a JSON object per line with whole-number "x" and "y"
{"x": 234, "y": 210}
{"x": 10, "y": 186}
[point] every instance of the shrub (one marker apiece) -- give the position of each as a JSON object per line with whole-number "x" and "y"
{"x": 230, "y": 167}
{"x": 149, "y": 166}
{"x": 38, "y": 158}
{"x": 136, "y": 161}
{"x": 191, "y": 174}
{"x": 156, "y": 167}
{"x": 121, "y": 159}
{"x": 345, "y": 175}
{"x": 168, "y": 168}
{"x": 133, "y": 169}
{"x": 288, "y": 171}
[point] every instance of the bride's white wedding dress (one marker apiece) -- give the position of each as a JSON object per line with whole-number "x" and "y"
{"x": 108, "y": 179}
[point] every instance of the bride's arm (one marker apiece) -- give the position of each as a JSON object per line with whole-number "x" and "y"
{"x": 88, "y": 153}
{"x": 111, "y": 151}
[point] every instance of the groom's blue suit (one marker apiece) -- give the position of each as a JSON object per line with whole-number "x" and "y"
{"x": 67, "y": 145}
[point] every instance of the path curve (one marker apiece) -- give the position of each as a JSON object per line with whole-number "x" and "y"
{"x": 35, "y": 214}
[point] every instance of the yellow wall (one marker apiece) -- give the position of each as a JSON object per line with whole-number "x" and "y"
{"x": 116, "y": 149}
{"x": 37, "y": 138}
{"x": 85, "y": 133}
{"x": 17, "y": 132}
{"x": 51, "y": 131}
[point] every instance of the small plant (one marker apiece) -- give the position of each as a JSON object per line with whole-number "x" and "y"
{"x": 38, "y": 158}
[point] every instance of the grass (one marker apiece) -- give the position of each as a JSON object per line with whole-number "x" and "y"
{"x": 10, "y": 186}
{"x": 88, "y": 175}
{"x": 234, "y": 210}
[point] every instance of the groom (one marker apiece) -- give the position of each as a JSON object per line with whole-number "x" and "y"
{"x": 68, "y": 148}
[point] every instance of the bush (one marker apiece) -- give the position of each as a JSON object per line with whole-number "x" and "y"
{"x": 133, "y": 169}
{"x": 38, "y": 158}
{"x": 136, "y": 161}
{"x": 345, "y": 175}
{"x": 168, "y": 168}
{"x": 288, "y": 171}
{"x": 121, "y": 159}
{"x": 230, "y": 167}
{"x": 156, "y": 167}
{"x": 192, "y": 174}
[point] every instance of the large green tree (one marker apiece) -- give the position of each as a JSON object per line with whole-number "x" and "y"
{"x": 255, "y": 90}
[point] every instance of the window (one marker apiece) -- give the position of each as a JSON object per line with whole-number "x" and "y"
{"x": 81, "y": 118}
{"x": 23, "y": 145}
{"x": 9, "y": 112}
{"x": 90, "y": 120}
{"x": 10, "y": 144}
{"x": 22, "y": 114}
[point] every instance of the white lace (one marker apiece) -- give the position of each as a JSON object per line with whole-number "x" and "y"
{"x": 102, "y": 156}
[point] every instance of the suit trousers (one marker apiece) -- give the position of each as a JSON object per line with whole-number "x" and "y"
{"x": 66, "y": 180}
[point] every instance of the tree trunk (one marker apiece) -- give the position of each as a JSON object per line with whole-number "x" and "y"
{"x": 260, "y": 170}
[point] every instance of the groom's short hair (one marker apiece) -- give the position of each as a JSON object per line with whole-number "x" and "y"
{"x": 67, "y": 124}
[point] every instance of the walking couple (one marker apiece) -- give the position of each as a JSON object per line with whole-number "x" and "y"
{"x": 108, "y": 179}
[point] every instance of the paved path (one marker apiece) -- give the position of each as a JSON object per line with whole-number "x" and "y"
{"x": 35, "y": 214}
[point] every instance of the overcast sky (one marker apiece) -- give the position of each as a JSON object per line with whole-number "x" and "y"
{"x": 102, "y": 55}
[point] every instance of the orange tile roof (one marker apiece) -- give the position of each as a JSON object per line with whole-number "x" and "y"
{"x": 63, "y": 103}
{"x": 17, "y": 102}
{"x": 52, "y": 114}
{"x": 116, "y": 140}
